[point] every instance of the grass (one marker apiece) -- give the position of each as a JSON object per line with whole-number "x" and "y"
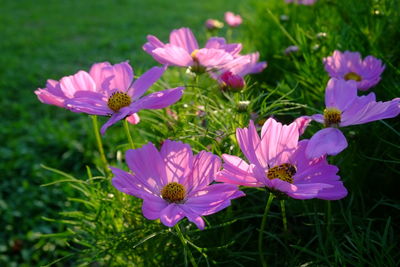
{"x": 99, "y": 225}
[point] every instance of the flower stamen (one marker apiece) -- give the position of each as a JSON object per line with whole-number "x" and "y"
{"x": 118, "y": 100}
{"x": 332, "y": 117}
{"x": 173, "y": 192}
{"x": 284, "y": 172}
{"x": 353, "y": 76}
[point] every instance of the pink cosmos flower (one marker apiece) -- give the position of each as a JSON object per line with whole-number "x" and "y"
{"x": 57, "y": 93}
{"x": 174, "y": 183}
{"x": 232, "y": 19}
{"x": 350, "y": 66}
{"x": 302, "y": 2}
{"x": 110, "y": 91}
{"x": 183, "y": 51}
{"x": 277, "y": 161}
{"x": 213, "y": 24}
{"x": 231, "y": 75}
{"x": 345, "y": 108}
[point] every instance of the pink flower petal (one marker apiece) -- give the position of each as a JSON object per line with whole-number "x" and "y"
{"x": 153, "y": 206}
{"x": 237, "y": 171}
{"x": 184, "y": 38}
{"x": 251, "y": 146}
{"x": 80, "y": 81}
{"x": 340, "y": 93}
{"x": 153, "y": 43}
{"x": 141, "y": 85}
{"x": 133, "y": 119}
{"x": 173, "y": 55}
{"x": 330, "y": 141}
{"x": 278, "y": 141}
{"x": 148, "y": 166}
{"x": 170, "y": 215}
{"x": 205, "y": 167}
{"x": 178, "y": 160}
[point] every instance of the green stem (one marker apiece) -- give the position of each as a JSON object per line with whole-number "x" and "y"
{"x": 100, "y": 144}
{"x": 328, "y": 216}
{"x": 260, "y": 235}
{"x": 128, "y": 134}
{"x": 185, "y": 246}
{"x": 284, "y": 220}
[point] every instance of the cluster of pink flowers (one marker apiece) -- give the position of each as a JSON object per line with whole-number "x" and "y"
{"x": 173, "y": 182}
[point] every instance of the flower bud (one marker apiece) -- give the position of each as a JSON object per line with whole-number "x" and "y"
{"x": 232, "y": 81}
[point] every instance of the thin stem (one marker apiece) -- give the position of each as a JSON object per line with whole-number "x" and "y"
{"x": 260, "y": 236}
{"x": 185, "y": 246}
{"x": 100, "y": 144}
{"x": 128, "y": 134}
{"x": 328, "y": 216}
{"x": 284, "y": 220}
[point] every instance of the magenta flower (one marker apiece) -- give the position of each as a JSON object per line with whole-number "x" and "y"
{"x": 345, "y": 108}
{"x": 302, "y": 2}
{"x": 277, "y": 161}
{"x": 57, "y": 95}
{"x": 350, "y": 66}
{"x": 109, "y": 91}
{"x": 213, "y": 24}
{"x": 231, "y": 81}
{"x": 232, "y": 19}
{"x": 231, "y": 74}
{"x": 183, "y": 51}
{"x": 174, "y": 183}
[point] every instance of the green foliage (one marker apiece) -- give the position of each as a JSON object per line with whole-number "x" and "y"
{"x": 78, "y": 218}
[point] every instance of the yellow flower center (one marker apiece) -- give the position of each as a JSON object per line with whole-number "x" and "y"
{"x": 193, "y": 54}
{"x": 332, "y": 117}
{"x": 352, "y": 76}
{"x": 118, "y": 100}
{"x": 173, "y": 192}
{"x": 284, "y": 172}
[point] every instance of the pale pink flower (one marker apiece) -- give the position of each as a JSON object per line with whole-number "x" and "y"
{"x": 350, "y": 66}
{"x": 232, "y": 19}
{"x": 183, "y": 51}
{"x": 345, "y": 108}
{"x": 174, "y": 183}
{"x": 109, "y": 90}
{"x": 277, "y": 161}
{"x": 57, "y": 95}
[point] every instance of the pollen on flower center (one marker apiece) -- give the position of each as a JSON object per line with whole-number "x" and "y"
{"x": 118, "y": 100}
{"x": 284, "y": 172}
{"x": 352, "y": 76}
{"x": 173, "y": 192}
{"x": 332, "y": 117}
{"x": 193, "y": 54}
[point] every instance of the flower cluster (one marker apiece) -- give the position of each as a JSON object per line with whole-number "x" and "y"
{"x": 173, "y": 182}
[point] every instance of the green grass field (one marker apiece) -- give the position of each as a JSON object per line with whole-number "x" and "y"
{"x": 88, "y": 222}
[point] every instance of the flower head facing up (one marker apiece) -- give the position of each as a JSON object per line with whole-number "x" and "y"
{"x": 183, "y": 51}
{"x": 233, "y": 20}
{"x": 174, "y": 183}
{"x": 109, "y": 90}
{"x": 277, "y": 161}
{"x": 344, "y": 108}
{"x": 350, "y": 66}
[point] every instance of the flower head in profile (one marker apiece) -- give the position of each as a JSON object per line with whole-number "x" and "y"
{"x": 109, "y": 90}
{"x": 277, "y": 160}
{"x": 183, "y": 51}
{"x": 213, "y": 24}
{"x": 345, "y": 108}
{"x": 174, "y": 183}
{"x": 302, "y": 2}
{"x": 231, "y": 75}
{"x": 350, "y": 66}
{"x": 233, "y": 20}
